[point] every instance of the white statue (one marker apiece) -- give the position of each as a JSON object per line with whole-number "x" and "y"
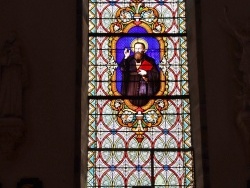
{"x": 12, "y": 78}
{"x": 242, "y": 35}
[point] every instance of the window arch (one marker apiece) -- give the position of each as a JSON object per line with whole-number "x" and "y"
{"x": 138, "y": 111}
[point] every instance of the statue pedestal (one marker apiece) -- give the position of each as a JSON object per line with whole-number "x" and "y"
{"x": 11, "y": 135}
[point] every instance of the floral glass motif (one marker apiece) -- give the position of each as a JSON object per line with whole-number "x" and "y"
{"x": 130, "y": 144}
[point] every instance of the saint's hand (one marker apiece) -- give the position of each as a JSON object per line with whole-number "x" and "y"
{"x": 142, "y": 72}
{"x": 126, "y": 53}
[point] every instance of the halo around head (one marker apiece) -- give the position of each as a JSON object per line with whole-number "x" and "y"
{"x": 140, "y": 40}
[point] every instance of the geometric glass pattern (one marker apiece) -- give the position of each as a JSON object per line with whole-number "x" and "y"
{"x": 143, "y": 138}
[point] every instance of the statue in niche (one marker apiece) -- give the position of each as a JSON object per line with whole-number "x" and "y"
{"x": 12, "y": 78}
{"x": 242, "y": 35}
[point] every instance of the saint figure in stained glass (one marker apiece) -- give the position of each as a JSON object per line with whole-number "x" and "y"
{"x": 140, "y": 75}
{"x": 136, "y": 70}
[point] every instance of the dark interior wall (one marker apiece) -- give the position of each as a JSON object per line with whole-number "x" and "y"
{"x": 227, "y": 160}
{"x": 46, "y": 30}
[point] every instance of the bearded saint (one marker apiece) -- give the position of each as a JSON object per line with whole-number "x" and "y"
{"x": 140, "y": 75}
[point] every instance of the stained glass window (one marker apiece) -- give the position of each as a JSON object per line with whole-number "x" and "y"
{"x": 139, "y": 127}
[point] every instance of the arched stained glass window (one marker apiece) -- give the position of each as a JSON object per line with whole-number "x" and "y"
{"x": 139, "y": 125}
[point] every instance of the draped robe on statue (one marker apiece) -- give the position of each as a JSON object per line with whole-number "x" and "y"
{"x": 136, "y": 85}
